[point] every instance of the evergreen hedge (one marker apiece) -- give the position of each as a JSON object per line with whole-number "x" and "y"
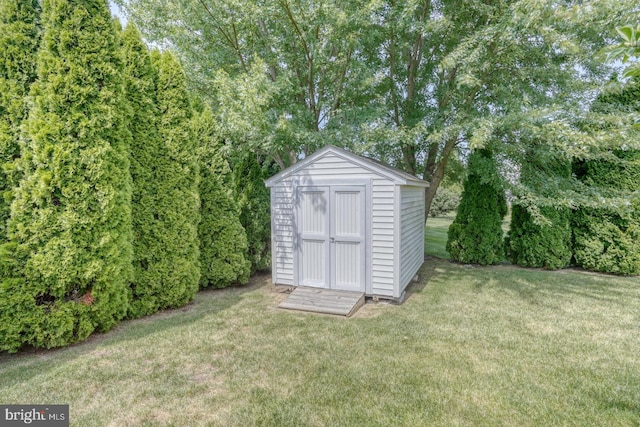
{"x": 476, "y": 235}
{"x": 147, "y": 155}
{"x": 254, "y": 201}
{"x": 70, "y": 227}
{"x": 223, "y": 240}
{"x": 173, "y": 270}
{"x": 541, "y": 245}
{"x": 19, "y": 40}
{"x": 607, "y": 239}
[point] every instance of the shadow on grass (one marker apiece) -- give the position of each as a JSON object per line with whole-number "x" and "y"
{"x": 207, "y": 301}
{"x": 531, "y": 285}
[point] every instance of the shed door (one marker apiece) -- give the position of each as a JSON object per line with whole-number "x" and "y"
{"x": 313, "y": 227}
{"x": 331, "y": 243}
{"x": 347, "y": 240}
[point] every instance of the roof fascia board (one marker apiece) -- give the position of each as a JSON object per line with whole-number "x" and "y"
{"x": 349, "y": 157}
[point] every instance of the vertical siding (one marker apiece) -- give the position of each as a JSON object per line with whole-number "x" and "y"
{"x": 411, "y": 233}
{"x": 313, "y": 219}
{"x": 347, "y": 208}
{"x": 348, "y": 262}
{"x": 314, "y": 262}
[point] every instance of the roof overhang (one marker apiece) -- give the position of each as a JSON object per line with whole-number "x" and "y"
{"x": 395, "y": 175}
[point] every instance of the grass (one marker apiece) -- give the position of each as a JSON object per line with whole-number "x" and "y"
{"x": 435, "y": 235}
{"x": 470, "y": 346}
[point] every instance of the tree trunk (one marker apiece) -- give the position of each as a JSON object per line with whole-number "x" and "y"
{"x": 438, "y": 174}
{"x": 430, "y": 164}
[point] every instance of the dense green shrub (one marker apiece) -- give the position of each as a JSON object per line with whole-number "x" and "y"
{"x": 607, "y": 238}
{"x": 19, "y": 40}
{"x": 254, "y": 201}
{"x": 223, "y": 241}
{"x": 476, "y": 235}
{"x": 545, "y": 245}
{"x": 172, "y": 270}
{"x": 540, "y": 245}
{"x": 446, "y": 200}
{"x": 70, "y": 226}
{"x": 147, "y": 154}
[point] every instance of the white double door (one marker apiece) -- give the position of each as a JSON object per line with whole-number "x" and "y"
{"x": 331, "y": 224}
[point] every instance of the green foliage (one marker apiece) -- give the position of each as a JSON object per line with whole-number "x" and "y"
{"x": 223, "y": 240}
{"x": 406, "y": 82}
{"x": 540, "y": 245}
{"x": 533, "y": 243}
{"x": 254, "y": 202}
{"x": 147, "y": 155}
{"x": 607, "y": 238}
{"x": 168, "y": 276}
{"x": 446, "y": 200}
{"x": 70, "y": 221}
{"x": 607, "y": 241}
{"x": 628, "y": 48}
{"x": 19, "y": 39}
{"x": 476, "y": 236}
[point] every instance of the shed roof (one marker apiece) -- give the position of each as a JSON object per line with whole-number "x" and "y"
{"x": 394, "y": 174}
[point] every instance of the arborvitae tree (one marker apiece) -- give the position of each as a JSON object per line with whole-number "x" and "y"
{"x": 607, "y": 239}
{"x": 71, "y": 219}
{"x": 548, "y": 244}
{"x": 147, "y": 155}
{"x": 223, "y": 240}
{"x": 255, "y": 214}
{"x": 476, "y": 236}
{"x": 19, "y": 40}
{"x": 172, "y": 271}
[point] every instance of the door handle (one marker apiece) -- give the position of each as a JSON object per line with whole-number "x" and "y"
{"x": 332, "y": 239}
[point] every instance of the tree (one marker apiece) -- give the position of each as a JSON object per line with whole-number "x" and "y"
{"x": 70, "y": 226}
{"x": 607, "y": 238}
{"x": 254, "y": 201}
{"x": 147, "y": 155}
{"x": 544, "y": 241}
{"x": 407, "y": 82}
{"x": 307, "y": 52}
{"x": 19, "y": 40}
{"x": 476, "y": 235}
{"x": 172, "y": 271}
{"x": 223, "y": 240}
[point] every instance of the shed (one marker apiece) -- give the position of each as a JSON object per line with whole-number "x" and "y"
{"x": 346, "y": 222}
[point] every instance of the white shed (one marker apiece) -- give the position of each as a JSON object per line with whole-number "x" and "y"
{"x": 345, "y": 222}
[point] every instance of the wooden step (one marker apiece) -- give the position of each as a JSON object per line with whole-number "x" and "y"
{"x": 329, "y": 301}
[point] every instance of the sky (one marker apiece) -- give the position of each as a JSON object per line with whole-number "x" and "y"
{"x": 116, "y": 11}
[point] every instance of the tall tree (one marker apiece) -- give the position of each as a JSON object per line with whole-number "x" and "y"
{"x": 147, "y": 154}
{"x": 307, "y": 50}
{"x": 254, "y": 201}
{"x": 71, "y": 220}
{"x": 543, "y": 241}
{"x": 173, "y": 270}
{"x": 476, "y": 235}
{"x": 19, "y": 40}
{"x": 607, "y": 238}
{"x": 223, "y": 240}
{"x": 408, "y": 82}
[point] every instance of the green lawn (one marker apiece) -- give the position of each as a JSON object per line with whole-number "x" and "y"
{"x": 435, "y": 235}
{"x": 470, "y": 346}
